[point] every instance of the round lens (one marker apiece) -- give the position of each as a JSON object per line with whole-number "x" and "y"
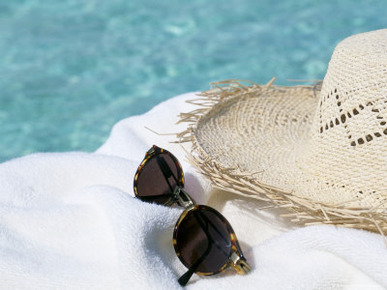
{"x": 157, "y": 179}
{"x": 202, "y": 240}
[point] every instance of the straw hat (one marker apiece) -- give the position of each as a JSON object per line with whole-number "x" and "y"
{"x": 320, "y": 151}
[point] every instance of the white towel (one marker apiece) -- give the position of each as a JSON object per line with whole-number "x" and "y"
{"x": 70, "y": 221}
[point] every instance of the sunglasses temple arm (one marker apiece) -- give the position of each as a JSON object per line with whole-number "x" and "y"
{"x": 182, "y": 197}
{"x": 205, "y": 229}
{"x": 238, "y": 263}
{"x": 237, "y": 260}
{"x": 165, "y": 170}
{"x": 183, "y": 280}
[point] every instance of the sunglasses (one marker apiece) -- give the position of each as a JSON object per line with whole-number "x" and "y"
{"x": 203, "y": 239}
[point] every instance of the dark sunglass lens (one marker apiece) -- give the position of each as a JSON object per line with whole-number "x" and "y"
{"x": 203, "y": 240}
{"x": 157, "y": 179}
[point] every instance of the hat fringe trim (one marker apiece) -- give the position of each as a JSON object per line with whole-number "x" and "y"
{"x": 300, "y": 210}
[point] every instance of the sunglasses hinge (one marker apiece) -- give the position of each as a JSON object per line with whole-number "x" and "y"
{"x": 239, "y": 263}
{"x": 183, "y": 198}
{"x": 151, "y": 151}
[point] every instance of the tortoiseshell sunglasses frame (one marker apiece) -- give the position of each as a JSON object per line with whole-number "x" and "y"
{"x": 235, "y": 253}
{"x": 149, "y": 155}
{"x": 236, "y": 259}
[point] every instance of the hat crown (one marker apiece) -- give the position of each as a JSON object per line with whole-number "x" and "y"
{"x": 354, "y": 91}
{"x": 347, "y": 145}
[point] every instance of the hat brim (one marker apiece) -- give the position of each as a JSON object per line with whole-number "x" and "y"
{"x": 246, "y": 139}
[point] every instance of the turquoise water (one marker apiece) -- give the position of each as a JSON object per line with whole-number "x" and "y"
{"x": 70, "y": 69}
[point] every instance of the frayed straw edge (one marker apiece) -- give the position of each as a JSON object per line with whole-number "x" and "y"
{"x": 301, "y": 210}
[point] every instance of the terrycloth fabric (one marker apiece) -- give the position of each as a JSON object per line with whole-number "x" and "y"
{"x": 70, "y": 221}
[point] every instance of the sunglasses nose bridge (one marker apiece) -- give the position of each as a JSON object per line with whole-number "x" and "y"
{"x": 239, "y": 264}
{"x": 183, "y": 198}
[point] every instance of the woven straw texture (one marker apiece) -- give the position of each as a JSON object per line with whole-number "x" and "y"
{"x": 318, "y": 150}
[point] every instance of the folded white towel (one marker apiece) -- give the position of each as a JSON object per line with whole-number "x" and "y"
{"x": 70, "y": 221}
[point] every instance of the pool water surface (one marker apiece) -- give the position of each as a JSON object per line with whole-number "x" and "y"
{"x": 69, "y": 69}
